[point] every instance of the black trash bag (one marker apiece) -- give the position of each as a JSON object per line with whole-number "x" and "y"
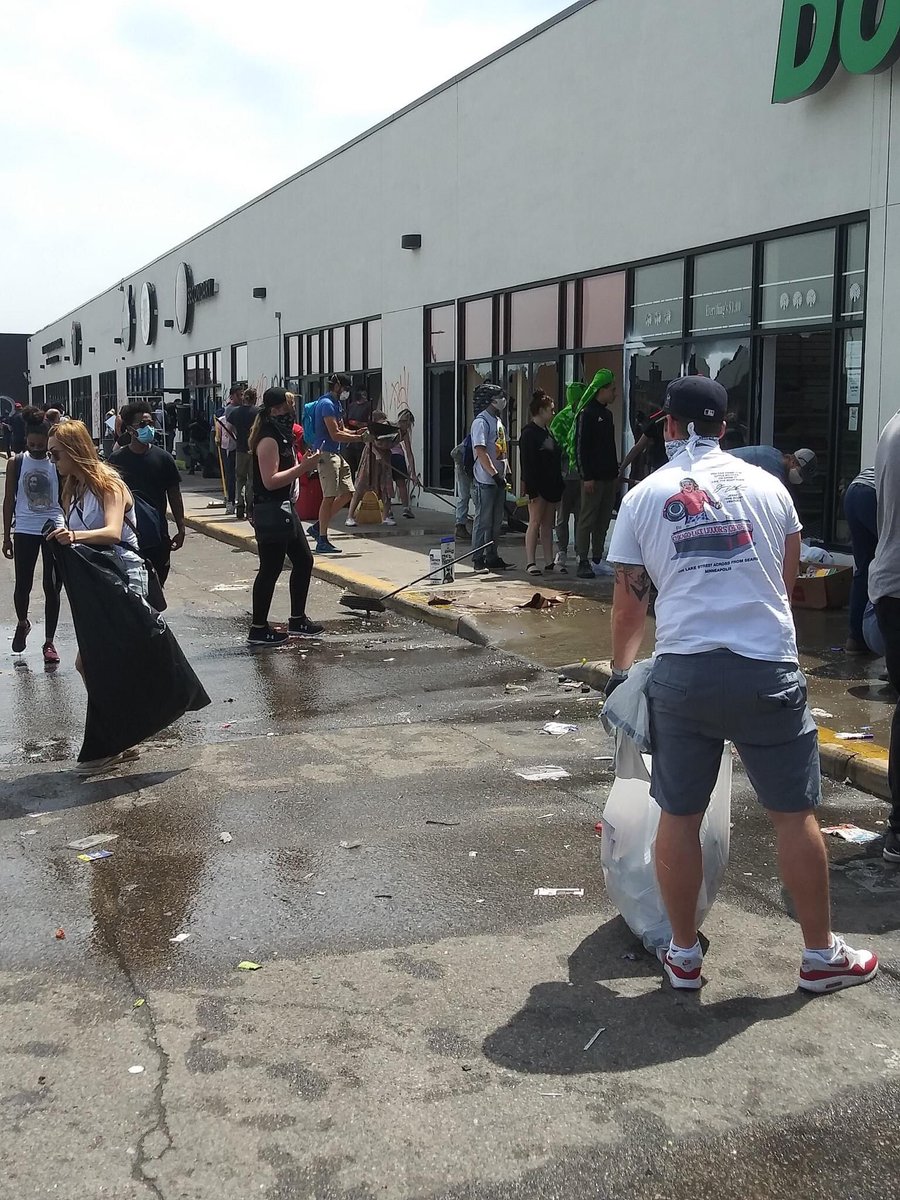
{"x": 138, "y": 680}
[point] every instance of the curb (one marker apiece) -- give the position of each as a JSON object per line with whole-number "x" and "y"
{"x": 407, "y": 603}
{"x": 866, "y": 768}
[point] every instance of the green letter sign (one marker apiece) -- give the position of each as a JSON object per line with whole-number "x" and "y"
{"x": 818, "y": 34}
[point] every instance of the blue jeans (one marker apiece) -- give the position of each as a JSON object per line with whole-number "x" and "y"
{"x": 860, "y": 509}
{"x": 489, "y": 500}
{"x": 464, "y": 485}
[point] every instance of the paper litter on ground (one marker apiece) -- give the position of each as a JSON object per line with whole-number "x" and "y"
{"x": 559, "y": 728}
{"x": 851, "y": 833}
{"x": 855, "y": 737}
{"x": 548, "y": 891}
{"x": 96, "y": 839}
{"x": 821, "y": 713}
{"x": 539, "y": 774}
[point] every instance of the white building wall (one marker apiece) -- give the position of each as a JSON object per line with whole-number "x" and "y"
{"x": 632, "y": 128}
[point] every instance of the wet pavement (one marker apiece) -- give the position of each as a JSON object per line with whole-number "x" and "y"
{"x": 418, "y": 1022}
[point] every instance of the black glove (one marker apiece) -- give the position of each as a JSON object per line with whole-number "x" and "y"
{"x": 615, "y": 679}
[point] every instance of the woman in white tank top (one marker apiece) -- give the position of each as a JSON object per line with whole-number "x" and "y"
{"x": 97, "y": 505}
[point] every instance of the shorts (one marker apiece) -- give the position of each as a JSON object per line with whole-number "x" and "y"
{"x": 699, "y": 701}
{"x": 399, "y": 469}
{"x": 334, "y": 475}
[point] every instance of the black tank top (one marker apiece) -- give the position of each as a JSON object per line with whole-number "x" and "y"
{"x": 286, "y": 459}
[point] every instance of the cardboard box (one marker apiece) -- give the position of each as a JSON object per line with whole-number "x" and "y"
{"x": 822, "y": 587}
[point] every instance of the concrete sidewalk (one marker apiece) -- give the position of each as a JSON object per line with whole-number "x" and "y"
{"x": 846, "y": 694}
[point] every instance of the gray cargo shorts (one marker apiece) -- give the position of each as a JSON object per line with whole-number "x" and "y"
{"x": 699, "y": 701}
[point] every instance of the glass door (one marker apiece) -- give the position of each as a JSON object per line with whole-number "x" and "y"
{"x": 796, "y": 409}
{"x": 523, "y": 379}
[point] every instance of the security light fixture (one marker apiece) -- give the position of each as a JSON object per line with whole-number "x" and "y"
{"x": 259, "y": 293}
{"x": 169, "y": 324}
{"x": 411, "y": 241}
{"x": 117, "y": 341}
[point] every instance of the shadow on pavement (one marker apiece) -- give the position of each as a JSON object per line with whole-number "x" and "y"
{"x": 549, "y": 1034}
{"x": 46, "y": 792}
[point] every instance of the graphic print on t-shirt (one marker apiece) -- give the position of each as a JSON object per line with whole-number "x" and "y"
{"x": 703, "y": 534}
{"x": 38, "y": 489}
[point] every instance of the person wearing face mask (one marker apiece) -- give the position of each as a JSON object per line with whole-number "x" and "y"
{"x": 491, "y": 472}
{"x": 31, "y": 500}
{"x": 334, "y": 470}
{"x": 279, "y": 534}
{"x": 720, "y": 540}
{"x": 150, "y": 473}
{"x": 799, "y": 467}
{"x": 597, "y": 463}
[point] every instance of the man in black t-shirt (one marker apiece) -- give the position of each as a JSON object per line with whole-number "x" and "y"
{"x": 239, "y": 418}
{"x": 150, "y": 472}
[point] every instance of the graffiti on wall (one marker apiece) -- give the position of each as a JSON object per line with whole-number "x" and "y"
{"x": 397, "y": 395}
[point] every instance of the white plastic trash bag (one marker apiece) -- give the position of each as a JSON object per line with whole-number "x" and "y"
{"x": 630, "y": 822}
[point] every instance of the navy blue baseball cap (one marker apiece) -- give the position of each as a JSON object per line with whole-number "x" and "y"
{"x": 696, "y": 398}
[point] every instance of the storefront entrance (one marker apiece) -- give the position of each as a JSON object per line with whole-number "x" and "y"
{"x": 796, "y": 408}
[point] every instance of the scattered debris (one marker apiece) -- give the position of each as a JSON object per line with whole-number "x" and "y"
{"x": 42, "y": 1079}
{"x": 546, "y": 816}
{"x": 515, "y": 687}
{"x": 598, "y": 828}
{"x": 179, "y": 938}
{"x": 439, "y": 602}
{"x": 350, "y": 845}
{"x": 96, "y": 839}
{"x": 821, "y": 713}
{"x": 851, "y": 833}
{"x": 388, "y": 660}
{"x": 135, "y": 1070}
{"x": 435, "y": 821}
{"x": 836, "y": 649}
{"x": 540, "y": 774}
{"x": 479, "y": 902}
{"x": 594, "y": 1038}
{"x": 27, "y": 832}
{"x": 585, "y": 689}
{"x": 541, "y": 600}
{"x": 60, "y": 935}
{"x": 248, "y": 966}
{"x": 94, "y": 855}
{"x": 545, "y": 891}
{"x": 520, "y": 851}
{"x": 559, "y": 728}
{"x": 227, "y": 725}
{"x": 855, "y": 737}
{"x": 467, "y": 1066}
{"x": 473, "y": 854}
{"x": 383, "y": 896}
{"x": 630, "y": 957}
{"x": 225, "y": 837}
{"x": 550, "y": 1093}
{"x": 139, "y": 1003}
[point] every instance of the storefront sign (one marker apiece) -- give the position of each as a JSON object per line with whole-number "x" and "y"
{"x": 817, "y": 35}
{"x": 187, "y": 294}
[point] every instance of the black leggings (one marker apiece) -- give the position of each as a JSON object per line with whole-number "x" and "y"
{"x": 26, "y": 549}
{"x": 271, "y": 561}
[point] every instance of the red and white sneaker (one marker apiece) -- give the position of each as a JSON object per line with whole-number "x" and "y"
{"x": 683, "y": 968}
{"x": 848, "y": 968}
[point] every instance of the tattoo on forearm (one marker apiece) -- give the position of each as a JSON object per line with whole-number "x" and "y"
{"x": 634, "y": 578}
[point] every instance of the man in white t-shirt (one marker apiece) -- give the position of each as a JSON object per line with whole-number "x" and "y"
{"x": 720, "y": 540}
{"x": 490, "y": 472}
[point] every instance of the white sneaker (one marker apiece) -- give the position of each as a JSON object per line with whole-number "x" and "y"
{"x": 560, "y": 560}
{"x": 684, "y": 971}
{"x": 847, "y": 968}
{"x": 229, "y": 509}
{"x": 351, "y": 523}
{"x": 603, "y": 569}
{"x": 388, "y": 521}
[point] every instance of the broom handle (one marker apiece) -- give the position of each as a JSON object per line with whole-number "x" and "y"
{"x": 462, "y": 558}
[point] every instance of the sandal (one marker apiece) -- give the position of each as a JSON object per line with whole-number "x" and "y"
{"x": 534, "y": 569}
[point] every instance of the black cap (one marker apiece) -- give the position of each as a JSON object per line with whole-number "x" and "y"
{"x": 273, "y": 397}
{"x": 696, "y": 398}
{"x": 485, "y": 394}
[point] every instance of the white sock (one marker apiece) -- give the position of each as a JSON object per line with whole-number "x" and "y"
{"x": 695, "y": 951}
{"x": 827, "y": 954}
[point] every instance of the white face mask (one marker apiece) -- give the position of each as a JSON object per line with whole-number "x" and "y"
{"x": 345, "y": 396}
{"x": 795, "y": 477}
{"x": 499, "y": 405}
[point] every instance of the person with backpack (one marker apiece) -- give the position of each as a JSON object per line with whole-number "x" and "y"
{"x": 491, "y": 471}
{"x": 328, "y": 436}
{"x": 31, "y": 500}
{"x": 154, "y": 480}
